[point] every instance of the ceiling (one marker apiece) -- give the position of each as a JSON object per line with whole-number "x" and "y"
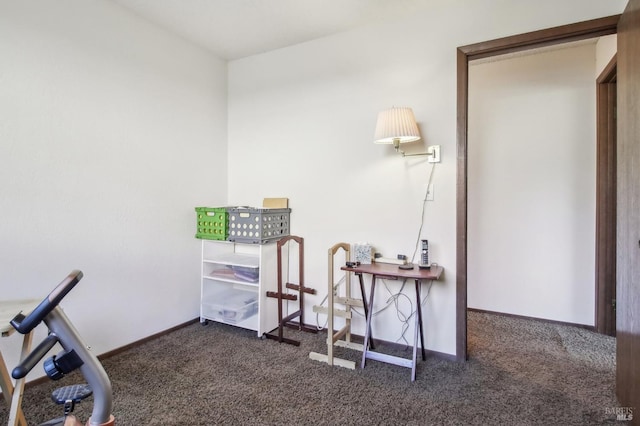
{"x": 234, "y": 29}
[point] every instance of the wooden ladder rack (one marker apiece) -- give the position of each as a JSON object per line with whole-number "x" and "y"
{"x": 343, "y": 310}
{"x": 284, "y": 297}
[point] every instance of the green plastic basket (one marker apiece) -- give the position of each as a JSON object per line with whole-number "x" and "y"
{"x": 212, "y": 223}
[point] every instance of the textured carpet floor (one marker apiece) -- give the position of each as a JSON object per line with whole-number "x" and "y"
{"x": 520, "y": 372}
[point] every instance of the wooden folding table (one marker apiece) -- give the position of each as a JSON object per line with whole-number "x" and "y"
{"x": 394, "y": 272}
{"x": 13, "y": 394}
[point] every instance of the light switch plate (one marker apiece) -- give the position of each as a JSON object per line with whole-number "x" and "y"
{"x": 430, "y": 192}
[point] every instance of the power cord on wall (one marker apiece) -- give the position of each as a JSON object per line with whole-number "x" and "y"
{"x": 424, "y": 203}
{"x": 393, "y": 297}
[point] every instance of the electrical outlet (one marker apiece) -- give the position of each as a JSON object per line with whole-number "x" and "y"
{"x": 430, "y": 192}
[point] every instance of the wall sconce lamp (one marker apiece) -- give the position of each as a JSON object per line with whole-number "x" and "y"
{"x": 398, "y": 125}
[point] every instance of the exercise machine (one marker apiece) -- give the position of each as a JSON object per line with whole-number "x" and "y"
{"x": 75, "y": 354}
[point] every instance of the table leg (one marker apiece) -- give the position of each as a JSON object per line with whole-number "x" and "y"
{"x": 366, "y": 308}
{"x": 367, "y": 333}
{"x": 5, "y": 382}
{"x": 13, "y": 395}
{"x": 16, "y": 416}
{"x": 424, "y": 355}
{"x": 415, "y": 346}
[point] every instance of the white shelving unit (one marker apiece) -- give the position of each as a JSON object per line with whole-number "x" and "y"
{"x": 234, "y": 284}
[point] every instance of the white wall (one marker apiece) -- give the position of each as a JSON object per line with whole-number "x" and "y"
{"x": 301, "y": 123}
{"x": 111, "y": 131}
{"x": 531, "y": 174}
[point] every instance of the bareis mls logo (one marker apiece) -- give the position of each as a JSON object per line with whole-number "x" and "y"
{"x": 621, "y": 413}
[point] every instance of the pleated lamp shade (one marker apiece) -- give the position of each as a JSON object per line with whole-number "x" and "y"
{"x": 396, "y": 125}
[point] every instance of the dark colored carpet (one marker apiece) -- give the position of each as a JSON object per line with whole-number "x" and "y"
{"x": 520, "y": 372}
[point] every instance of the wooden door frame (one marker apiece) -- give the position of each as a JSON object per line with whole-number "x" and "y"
{"x": 557, "y": 35}
{"x": 606, "y": 200}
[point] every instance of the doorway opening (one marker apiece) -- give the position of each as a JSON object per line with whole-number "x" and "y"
{"x": 558, "y": 35}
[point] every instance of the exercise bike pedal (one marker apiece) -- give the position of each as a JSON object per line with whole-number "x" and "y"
{"x": 70, "y": 395}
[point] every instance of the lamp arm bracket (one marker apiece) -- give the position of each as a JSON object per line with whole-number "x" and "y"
{"x": 433, "y": 152}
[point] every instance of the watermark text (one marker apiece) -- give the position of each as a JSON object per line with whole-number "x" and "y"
{"x": 620, "y": 413}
